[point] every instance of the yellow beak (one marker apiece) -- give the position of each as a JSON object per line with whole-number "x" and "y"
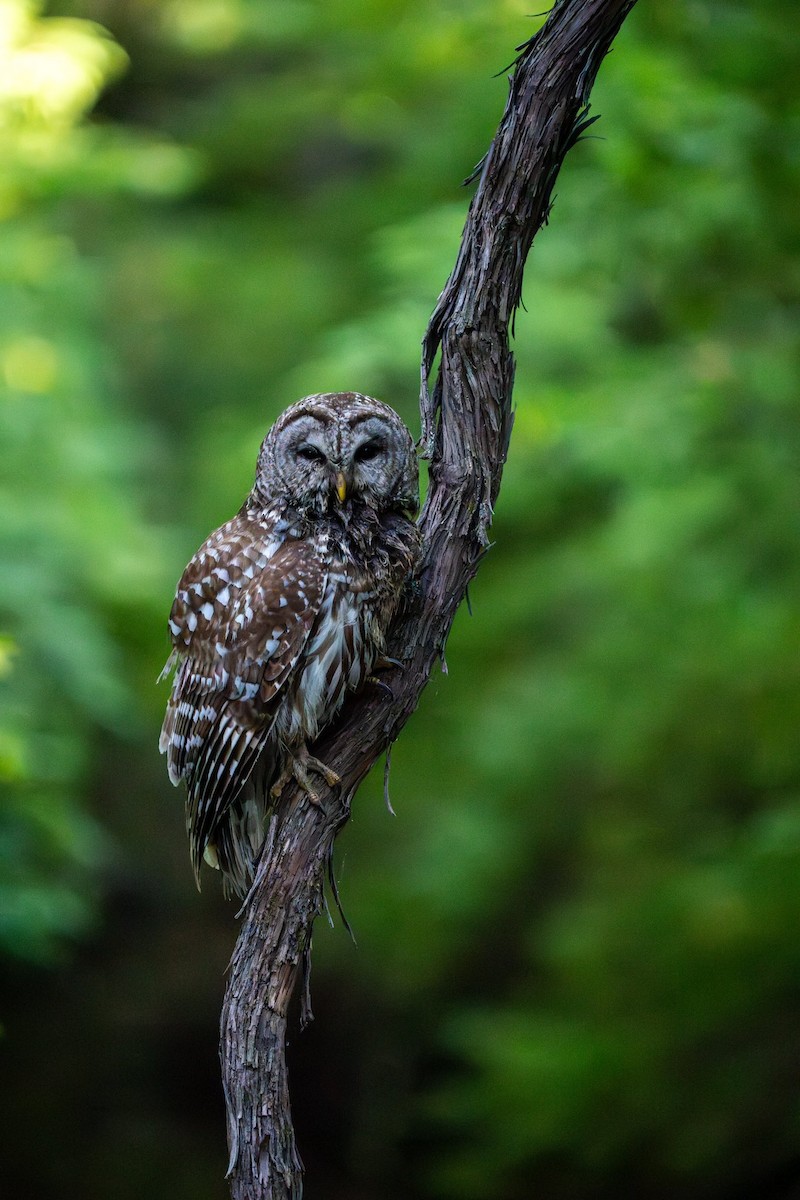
{"x": 341, "y": 486}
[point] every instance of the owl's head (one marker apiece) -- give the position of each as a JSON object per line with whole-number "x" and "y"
{"x": 339, "y": 448}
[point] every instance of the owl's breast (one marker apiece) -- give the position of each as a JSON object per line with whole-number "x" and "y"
{"x": 341, "y": 650}
{"x": 367, "y": 560}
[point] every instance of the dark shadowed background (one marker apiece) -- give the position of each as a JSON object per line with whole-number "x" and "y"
{"x": 578, "y": 963}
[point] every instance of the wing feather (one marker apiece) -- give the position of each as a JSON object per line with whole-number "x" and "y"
{"x": 242, "y": 615}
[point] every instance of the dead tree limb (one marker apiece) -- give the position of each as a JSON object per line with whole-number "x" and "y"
{"x": 466, "y": 423}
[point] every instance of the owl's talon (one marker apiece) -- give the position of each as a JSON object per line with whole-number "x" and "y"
{"x": 378, "y": 683}
{"x": 298, "y": 767}
{"x": 384, "y": 663}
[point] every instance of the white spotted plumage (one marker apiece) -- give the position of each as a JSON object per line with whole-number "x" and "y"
{"x": 282, "y": 611}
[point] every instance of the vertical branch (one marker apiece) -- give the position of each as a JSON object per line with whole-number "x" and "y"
{"x": 466, "y": 424}
{"x": 263, "y": 1156}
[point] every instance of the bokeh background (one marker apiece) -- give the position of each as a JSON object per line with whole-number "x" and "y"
{"x": 578, "y": 962}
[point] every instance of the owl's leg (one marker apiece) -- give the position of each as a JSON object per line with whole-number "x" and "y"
{"x": 298, "y": 765}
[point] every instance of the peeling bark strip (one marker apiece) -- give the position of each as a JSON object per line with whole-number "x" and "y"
{"x": 466, "y": 425}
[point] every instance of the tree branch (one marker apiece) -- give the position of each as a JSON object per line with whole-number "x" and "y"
{"x": 466, "y": 423}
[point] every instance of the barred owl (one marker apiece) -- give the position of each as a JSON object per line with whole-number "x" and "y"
{"x": 281, "y": 612}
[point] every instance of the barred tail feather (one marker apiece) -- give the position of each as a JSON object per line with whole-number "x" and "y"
{"x": 219, "y": 812}
{"x": 238, "y": 841}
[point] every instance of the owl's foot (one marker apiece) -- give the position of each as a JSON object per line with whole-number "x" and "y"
{"x": 298, "y": 767}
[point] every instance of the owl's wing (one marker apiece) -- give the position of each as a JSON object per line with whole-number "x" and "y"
{"x": 241, "y": 617}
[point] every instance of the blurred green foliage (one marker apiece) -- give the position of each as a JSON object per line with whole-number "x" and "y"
{"x": 579, "y": 967}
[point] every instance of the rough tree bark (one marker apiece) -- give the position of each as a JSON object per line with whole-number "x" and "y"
{"x": 466, "y": 423}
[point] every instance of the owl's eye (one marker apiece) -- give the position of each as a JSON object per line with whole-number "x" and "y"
{"x": 368, "y": 450}
{"x": 310, "y": 453}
